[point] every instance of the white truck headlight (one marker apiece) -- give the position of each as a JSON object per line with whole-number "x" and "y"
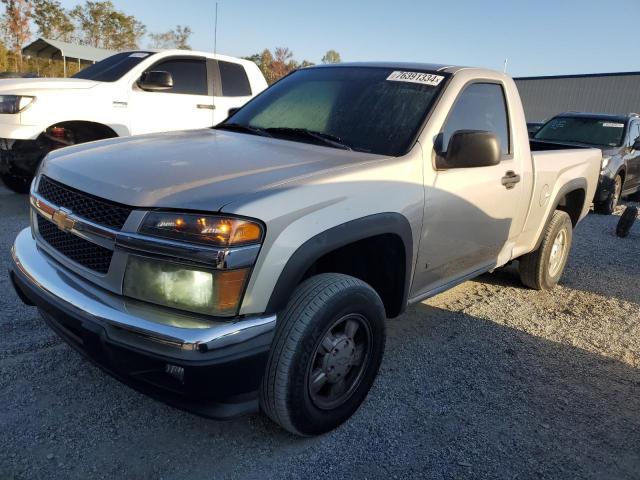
{"x": 11, "y": 104}
{"x": 185, "y": 287}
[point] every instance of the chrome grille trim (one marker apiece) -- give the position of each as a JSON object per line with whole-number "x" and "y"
{"x": 218, "y": 258}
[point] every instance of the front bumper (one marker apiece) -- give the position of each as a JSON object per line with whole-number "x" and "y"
{"x": 21, "y": 157}
{"x": 11, "y": 127}
{"x": 606, "y": 187}
{"x": 213, "y": 370}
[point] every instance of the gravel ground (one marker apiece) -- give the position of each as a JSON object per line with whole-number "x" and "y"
{"x": 488, "y": 380}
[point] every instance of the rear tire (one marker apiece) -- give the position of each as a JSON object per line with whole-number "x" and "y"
{"x": 542, "y": 268}
{"x": 16, "y": 183}
{"x": 626, "y": 221}
{"x": 609, "y": 205}
{"x": 325, "y": 355}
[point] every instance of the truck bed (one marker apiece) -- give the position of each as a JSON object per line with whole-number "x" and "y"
{"x": 542, "y": 146}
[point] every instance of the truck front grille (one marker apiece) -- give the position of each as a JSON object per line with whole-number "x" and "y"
{"x": 97, "y": 210}
{"x": 87, "y": 254}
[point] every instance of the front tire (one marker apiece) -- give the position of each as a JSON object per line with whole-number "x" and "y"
{"x": 542, "y": 268}
{"x": 16, "y": 183}
{"x": 609, "y": 205}
{"x": 325, "y": 355}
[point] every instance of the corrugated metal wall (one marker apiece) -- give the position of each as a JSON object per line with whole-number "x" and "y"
{"x": 546, "y": 96}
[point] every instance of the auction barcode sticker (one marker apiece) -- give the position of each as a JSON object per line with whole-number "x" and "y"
{"x": 416, "y": 77}
{"x": 613, "y": 125}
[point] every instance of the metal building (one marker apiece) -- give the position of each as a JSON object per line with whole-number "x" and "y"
{"x": 543, "y": 97}
{"x": 67, "y": 52}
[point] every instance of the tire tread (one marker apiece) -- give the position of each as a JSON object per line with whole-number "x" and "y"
{"x": 306, "y": 300}
{"x": 531, "y": 269}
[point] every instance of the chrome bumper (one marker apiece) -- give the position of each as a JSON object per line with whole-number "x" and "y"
{"x": 130, "y": 323}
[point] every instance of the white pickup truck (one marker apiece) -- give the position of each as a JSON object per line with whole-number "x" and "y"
{"x": 129, "y": 93}
{"x": 253, "y": 265}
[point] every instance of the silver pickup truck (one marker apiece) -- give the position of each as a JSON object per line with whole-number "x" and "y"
{"x": 253, "y": 265}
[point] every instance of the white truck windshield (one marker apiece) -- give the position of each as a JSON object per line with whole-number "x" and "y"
{"x": 112, "y": 68}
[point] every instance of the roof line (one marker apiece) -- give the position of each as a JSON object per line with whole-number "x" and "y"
{"x": 579, "y": 75}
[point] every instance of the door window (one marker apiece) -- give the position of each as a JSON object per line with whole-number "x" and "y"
{"x": 634, "y": 132}
{"x": 481, "y": 106}
{"x": 234, "y": 80}
{"x": 189, "y": 75}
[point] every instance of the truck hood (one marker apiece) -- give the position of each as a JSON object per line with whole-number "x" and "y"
{"x": 18, "y": 85}
{"x": 194, "y": 170}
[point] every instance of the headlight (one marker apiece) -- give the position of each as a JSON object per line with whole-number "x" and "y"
{"x": 605, "y": 162}
{"x": 205, "y": 229}
{"x": 210, "y": 292}
{"x": 14, "y": 103}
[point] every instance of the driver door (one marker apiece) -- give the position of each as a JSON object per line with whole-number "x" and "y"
{"x": 472, "y": 215}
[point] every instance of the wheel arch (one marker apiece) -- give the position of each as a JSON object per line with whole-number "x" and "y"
{"x": 571, "y": 198}
{"x": 102, "y": 130}
{"x": 373, "y": 230}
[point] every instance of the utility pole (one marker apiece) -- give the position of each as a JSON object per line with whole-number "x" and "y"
{"x": 506, "y": 62}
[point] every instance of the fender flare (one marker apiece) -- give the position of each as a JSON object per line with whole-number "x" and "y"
{"x": 334, "y": 238}
{"x": 571, "y": 186}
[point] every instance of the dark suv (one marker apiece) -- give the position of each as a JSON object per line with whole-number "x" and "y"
{"x": 618, "y": 136}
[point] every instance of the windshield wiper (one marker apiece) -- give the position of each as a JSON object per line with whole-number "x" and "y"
{"x": 244, "y": 128}
{"x": 325, "y": 138}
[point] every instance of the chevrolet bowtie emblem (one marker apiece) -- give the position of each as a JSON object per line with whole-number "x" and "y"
{"x": 62, "y": 218}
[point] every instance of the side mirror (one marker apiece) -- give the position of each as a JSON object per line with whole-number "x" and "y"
{"x": 470, "y": 148}
{"x": 232, "y": 111}
{"x": 636, "y": 144}
{"x": 156, "y": 81}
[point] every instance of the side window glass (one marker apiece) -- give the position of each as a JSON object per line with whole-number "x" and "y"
{"x": 481, "y": 106}
{"x": 189, "y": 75}
{"x": 634, "y": 132}
{"x": 234, "y": 80}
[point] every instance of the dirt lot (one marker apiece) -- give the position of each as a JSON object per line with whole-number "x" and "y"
{"x": 488, "y": 380}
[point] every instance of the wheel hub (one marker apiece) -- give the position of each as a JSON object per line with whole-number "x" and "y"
{"x": 557, "y": 253}
{"x": 339, "y": 360}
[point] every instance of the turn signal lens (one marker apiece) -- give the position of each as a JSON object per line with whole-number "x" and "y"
{"x": 206, "y": 229}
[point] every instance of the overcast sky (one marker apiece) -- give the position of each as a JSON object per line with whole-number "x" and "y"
{"x": 541, "y": 37}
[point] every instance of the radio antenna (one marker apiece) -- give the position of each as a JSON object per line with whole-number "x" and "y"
{"x": 215, "y": 56}
{"x": 215, "y": 32}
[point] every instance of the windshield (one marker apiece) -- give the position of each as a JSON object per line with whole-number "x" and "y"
{"x": 112, "y": 68}
{"x": 589, "y": 130}
{"x": 367, "y": 109}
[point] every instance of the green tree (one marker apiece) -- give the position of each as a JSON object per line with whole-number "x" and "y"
{"x": 101, "y": 25}
{"x": 331, "y": 57}
{"x": 266, "y": 65}
{"x": 255, "y": 58}
{"x": 177, "y": 38}
{"x": 52, "y": 20}
{"x": 15, "y": 26}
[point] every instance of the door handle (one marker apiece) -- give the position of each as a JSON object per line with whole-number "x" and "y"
{"x": 510, "y": 179}
{"x": 206, "y": 107}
